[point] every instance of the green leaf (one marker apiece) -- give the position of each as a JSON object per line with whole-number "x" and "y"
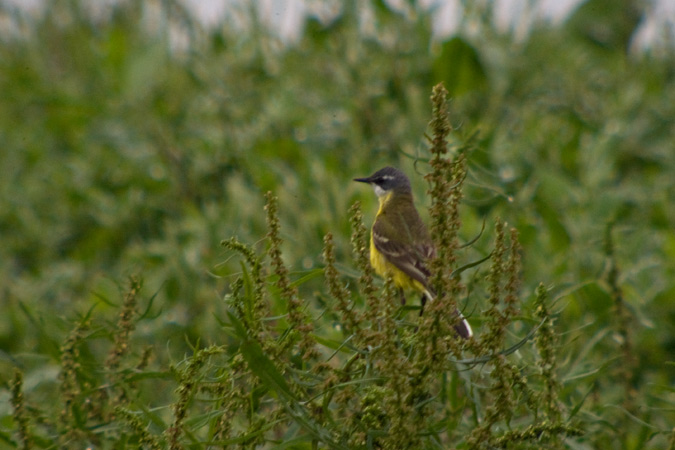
{"x": 307, "y": 276}
{"x": 259, "y": 363}
{"x": 262, "y": 367}
{"x": 459, "y": 270}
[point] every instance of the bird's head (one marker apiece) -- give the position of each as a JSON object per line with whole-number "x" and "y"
{"x": 386, "y": 181}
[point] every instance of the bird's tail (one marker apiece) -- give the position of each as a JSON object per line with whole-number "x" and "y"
{"x": 462, "y": 326}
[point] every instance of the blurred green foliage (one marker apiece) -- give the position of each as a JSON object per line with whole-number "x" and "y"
{"x": 125, "y": 153}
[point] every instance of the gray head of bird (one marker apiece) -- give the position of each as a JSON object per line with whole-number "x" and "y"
{"x": 387, "y": 180}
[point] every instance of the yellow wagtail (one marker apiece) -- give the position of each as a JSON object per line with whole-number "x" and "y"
{"x": 400, "y": 245}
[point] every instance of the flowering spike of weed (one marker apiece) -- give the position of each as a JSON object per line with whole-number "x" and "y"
{"x": 441, "y": 186}
{"x": 497, "y": 268}
{"x": 512, "y": 273}
{"x": 546, "y": 342}
{"x": 69, "y": 386}
{"x": 336, "y": 288}
{"x": 229, "y": 401}
{"x": 189, "y": 379}
{"x": 125, "y": 325}
{"x": 385, "y": 320}
{"x": 251, "y": 309}
{"x": 493, "y": 340}
{"x": 400, "y": 394}
{"x": 391, "y": 361}
{"x": 360, "y": 246}
{"x": 19, "y": 410}
{"x": 297, "y": 317}
{"x": 535, "y": 433}
{"x": 134, "y": 421}
{"x": 443, "y": 227}
{"x": 445, "y": 179}
{"x": 623, "y": 324}
{"x": 440, "y": 123}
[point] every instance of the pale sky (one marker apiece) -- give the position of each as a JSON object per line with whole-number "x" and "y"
{"x": 286, "y": 17}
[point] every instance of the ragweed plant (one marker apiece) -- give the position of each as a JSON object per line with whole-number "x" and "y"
{"x": 190, "y": 381}
{"x": 299, "y": 322}
{"x": 70, "y": 385}
{"x": 124, "y": 328}
{"x": 378, "y": 377}
{"x": 623, "y": 324}
{"x": 20, "y": 415}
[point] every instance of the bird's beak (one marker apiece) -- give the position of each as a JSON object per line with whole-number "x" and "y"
{"x": 363, "y": 180}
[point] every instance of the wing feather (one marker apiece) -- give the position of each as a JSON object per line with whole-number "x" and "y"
{"x": 404, "y": 241}
{"x": 405, "y": 254}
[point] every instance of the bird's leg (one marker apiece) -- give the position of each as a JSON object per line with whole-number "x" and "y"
{"x": 401, "y": 295}
{"x": 423, "y": 301}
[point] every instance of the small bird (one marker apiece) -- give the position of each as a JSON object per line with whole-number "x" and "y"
{"x": 400, "y": 245}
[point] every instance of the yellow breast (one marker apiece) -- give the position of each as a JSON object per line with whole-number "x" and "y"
{"x": 380, "y": 263}
{"x": 384, "y": 269}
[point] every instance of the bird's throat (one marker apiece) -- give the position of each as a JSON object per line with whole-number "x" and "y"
{"x": 384, "y": 201}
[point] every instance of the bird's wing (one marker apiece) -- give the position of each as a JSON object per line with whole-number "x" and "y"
{"x": 409, "y": 257}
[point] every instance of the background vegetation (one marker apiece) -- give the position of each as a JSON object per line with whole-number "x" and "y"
{"x": 129, "y": 154}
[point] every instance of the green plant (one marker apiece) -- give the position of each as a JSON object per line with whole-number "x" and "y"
{"x": 125, "y": 154}
{"x": 378, "y": 380}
